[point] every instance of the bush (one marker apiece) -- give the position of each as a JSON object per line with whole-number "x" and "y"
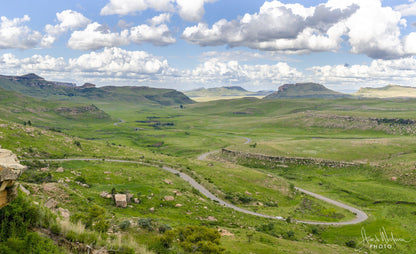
{"x": 124, "y": 225}
{"x": 191, "y": 239}
{"x": 145, "y": 223}
{"x": 80, "y": 179}
{"x": 351, "y": 244}
{"x": 101, "y": 226}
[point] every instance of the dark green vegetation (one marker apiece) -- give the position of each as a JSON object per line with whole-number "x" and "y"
{"x": 18, "y": 220}
{"x": 368, "y": 147}
{"x": 305, "y": 90}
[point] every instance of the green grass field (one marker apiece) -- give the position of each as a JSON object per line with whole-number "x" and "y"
{"x": 378, "y": 135}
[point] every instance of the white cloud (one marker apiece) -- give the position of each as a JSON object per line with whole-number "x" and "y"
{"x": 156, "y": 35}
{"x": 214, "y": 71}
{"x": 368, "y": 27}
{"x": 109, "y": 64}
{"x": 373, "y": 30}
{"x": 377, "y": 73}
{"x": 68, "y": 20}
{"x": 407, "y": 9}
{"x": 125, "y": 7}
{"x": 190, "y": 10}
{"x": 13, "y": 34}
{"x": 96, "y": 36}
{"x": 160, "y": 19}
{"x": 289, "y": 28}
{"x": 36, "y": 63}
{"x": 116, "y": 61}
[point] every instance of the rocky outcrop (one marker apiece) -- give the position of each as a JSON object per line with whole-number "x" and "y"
{"x": 10, "y": 170}
{"x": 289, "y": 160}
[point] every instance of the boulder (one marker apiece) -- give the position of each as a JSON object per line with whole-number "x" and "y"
{"x": 178, "y": 205}
{"x": 103, "y": 194}
{"x": 64, "y": 212}
{"x": 10, "y": 170}
{"x": 169, "y": 198}
{"x": 51, "y": 203}
{"x": 137, "y": 201}
{"x": 121, "y": 200}
{"x": 60, "y": 170}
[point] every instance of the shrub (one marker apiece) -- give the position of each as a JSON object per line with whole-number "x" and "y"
{"x": 351, "y": 244}
{"x": 191, "y": 239}
{"x": 145, "y": 223}
{"x": 124, "y": 225}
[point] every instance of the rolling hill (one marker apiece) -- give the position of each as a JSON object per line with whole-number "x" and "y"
{"x": 21, "y": 108}
{"x": 389, "y": 91}
{"x": 35, "y": 86}
{"x": 305, "y": 90}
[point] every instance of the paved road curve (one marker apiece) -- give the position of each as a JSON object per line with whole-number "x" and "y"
{"x": 360, "y": 215}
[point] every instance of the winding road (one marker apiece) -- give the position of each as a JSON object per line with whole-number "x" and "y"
{"x": 360, "y": 215}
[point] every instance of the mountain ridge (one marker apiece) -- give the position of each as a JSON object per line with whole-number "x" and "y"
{"x": 35, "y": 86}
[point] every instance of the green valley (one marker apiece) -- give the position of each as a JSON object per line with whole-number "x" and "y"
{"x": 85, "y": 149}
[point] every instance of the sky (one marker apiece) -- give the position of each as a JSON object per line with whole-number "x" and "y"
{"x": 188, "y": 44}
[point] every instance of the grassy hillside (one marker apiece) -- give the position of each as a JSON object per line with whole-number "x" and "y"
{"x": 35, "y": 86}
{"x": 389, "y": 91}
{"x": 53, "y": 114}
{"x": 376, "y": 135}
{"x": 304, "y": 90}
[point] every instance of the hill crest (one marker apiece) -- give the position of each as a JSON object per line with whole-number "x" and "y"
{"x": 304, "y": 90}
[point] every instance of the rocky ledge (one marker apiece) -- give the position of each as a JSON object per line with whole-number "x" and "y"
{"x": 10, "y": 170}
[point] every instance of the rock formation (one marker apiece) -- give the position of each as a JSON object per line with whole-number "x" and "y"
{"x": 10, "y": 170}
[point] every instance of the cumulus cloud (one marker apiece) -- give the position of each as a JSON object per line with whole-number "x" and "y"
{"x": 14, "y": 34}
{"x": 118, "y": 61}
{"x": 160, "y": 19}
{"x": 96, "y": 36}
{"x": 368, "y": 27}
{"x": 190, "y": 10}
{"x": 377, "y": 73}
{"x": 281, "y": 27}
{"x": 156, "y": 35}
{"x": 34, "y": 63}
{"x": 215, "y": 71}
{"x": 373, "y": 30}
{"x": 407, "y": 9}
{"x": 68, "y": 20}
{"x": 111, "y": 62}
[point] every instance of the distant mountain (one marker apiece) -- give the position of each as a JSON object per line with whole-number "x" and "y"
{"x": 35, "y": 86}
{"x": 389, "y": 91}
{"x": 225, "y": 91}
{"x": 304, "y": 90}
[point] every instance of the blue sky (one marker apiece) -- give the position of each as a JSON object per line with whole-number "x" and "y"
{"x": 186, "y": 44}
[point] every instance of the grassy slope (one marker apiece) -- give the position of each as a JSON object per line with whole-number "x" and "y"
{"x": 279, "y": 127}
{"x": 140, "y": 95}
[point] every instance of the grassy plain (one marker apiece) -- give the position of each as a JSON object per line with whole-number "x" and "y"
{"x": 368, "y": 132}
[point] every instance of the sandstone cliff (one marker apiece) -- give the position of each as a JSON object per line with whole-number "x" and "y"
{"x": 10, "y": 170}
